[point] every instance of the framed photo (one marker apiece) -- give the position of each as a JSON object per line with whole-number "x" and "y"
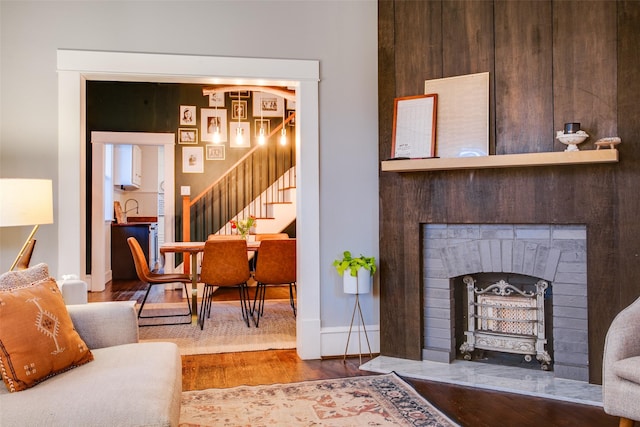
{"x": 187, "y": 135}
{"x": 216, "y": 99}
{"x": 414, "y": 127}
{"x": 209, "y": 119}
{"x": 240, "y": 94}
{"x": 238, "y": 110}
{"x": 192, "y": 160}
{"x": 292, "y": 122}
{"x": 187, "y": 115}
{"x": 215, "y": 152}
{"x": 267, "y": 105}
{"x": 258, "y": 123}
{"x": 463, "y": 115}
{"x": 291, "y": 105}
{"x": 244, "y": 130}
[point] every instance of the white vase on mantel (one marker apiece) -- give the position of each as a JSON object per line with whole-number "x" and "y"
{"x": 360, "y": 284}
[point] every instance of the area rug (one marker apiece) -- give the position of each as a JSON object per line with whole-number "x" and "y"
{"x": 377, "y": 400}
{"x": 225, "y": 331}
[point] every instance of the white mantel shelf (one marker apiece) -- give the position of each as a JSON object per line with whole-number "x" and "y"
{"x": 556, "y": 158}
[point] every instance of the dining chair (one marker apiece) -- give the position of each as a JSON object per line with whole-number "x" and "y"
{"x": 276, "y": 265}
{"x": 250, "y": 254}
{"x": 224, "y": 237}
{"x": 270, "y": 236}
{"x": 152, "y": 279}
{"x": 224, "y": 264}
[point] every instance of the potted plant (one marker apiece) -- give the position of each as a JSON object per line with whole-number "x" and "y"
{"x": 359, "y": 272}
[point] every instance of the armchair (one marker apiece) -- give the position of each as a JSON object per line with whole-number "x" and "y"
{"x": 621, "y": 366}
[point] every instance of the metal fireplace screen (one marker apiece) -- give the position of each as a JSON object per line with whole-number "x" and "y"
{"x": 501, "y": 317}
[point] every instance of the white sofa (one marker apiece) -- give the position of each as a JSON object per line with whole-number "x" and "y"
{"x": 127, "y": 384}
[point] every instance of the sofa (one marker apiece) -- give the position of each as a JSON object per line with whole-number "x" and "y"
{"x": 621, "y": 366}
{"x": 126, "y": 383}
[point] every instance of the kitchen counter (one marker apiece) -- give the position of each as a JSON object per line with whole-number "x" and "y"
{"x": 122, "y": 265}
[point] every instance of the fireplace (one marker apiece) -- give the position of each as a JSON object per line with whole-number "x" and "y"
{"x": 555, "y": 254}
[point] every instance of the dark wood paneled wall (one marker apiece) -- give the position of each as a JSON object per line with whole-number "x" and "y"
{"x": 550, "y": 62}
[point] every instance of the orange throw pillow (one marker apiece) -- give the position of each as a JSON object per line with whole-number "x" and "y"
{"x": 37, "y": 337}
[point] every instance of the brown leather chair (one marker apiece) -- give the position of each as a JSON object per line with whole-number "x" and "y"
{"x": 145, "y": 275}
{"x": 270, "y": 236}
{"x": 276, "y": 265}
{"x": 224, "y": 237}
{"x": 224, "y": 264}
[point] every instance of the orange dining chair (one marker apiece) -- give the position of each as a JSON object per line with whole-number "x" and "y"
{"x": 276, "y": 265}
{"x": 224, "y": 264}
{"x": 265, "y": 236}
{"x": 270, "y": 236}
{"x": 145, "y": 275}
{"x": 224, "y": 237}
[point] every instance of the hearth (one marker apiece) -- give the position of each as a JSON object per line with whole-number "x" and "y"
{"x": 555, "y": 254}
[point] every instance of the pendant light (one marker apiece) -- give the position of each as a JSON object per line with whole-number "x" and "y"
{"x": 216, "y": 130}
{"x": 239, "y": 138}
{"x": 262, "y": 138}
{"x": 283, "y": 132}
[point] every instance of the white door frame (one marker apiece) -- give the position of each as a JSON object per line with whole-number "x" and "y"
{"x": 76, "y": 67}
{"x": 99, "y": 239}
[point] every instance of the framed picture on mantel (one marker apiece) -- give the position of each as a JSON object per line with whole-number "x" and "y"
{"x": 414, "y": 127}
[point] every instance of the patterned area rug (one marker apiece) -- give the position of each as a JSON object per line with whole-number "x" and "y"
{"x": 377, "y": 400}
{"x": 224, "y": 331}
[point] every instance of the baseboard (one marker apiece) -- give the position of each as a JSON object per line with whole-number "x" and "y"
{"x": 334, "y": 340}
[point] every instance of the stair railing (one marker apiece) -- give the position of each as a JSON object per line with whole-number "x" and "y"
{"x": 247, "y": 188}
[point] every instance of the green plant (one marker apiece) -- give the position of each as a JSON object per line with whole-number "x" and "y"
{"x": 347, "y": 262}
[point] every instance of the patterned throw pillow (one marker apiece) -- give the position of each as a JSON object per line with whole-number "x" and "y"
{"x": 37, "y": 337}
{"x": 12, "y": 279}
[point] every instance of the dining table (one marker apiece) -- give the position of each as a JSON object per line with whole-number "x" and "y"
{"x": 193, "y": 249}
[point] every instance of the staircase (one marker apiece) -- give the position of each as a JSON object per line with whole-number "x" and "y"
{"x": 261, "y": 184}
{"x": 276, "y": 205}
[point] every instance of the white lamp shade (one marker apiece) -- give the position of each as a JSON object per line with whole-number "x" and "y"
{"x": 25, "y": 202}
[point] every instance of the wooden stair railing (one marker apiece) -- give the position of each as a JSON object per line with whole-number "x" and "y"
{"x": 240, "y": 187}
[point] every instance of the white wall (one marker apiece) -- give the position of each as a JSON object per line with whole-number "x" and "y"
{"x": 342, "y": 35}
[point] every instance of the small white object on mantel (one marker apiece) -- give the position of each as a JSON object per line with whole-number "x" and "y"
{"x": 571, "y": 140}
{"x": 610, "y": 142}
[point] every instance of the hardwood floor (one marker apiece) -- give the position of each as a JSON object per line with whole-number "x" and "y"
{"x": 467, "y": 406}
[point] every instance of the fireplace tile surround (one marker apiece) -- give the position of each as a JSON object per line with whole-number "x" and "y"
{"x": 556, "y": 253}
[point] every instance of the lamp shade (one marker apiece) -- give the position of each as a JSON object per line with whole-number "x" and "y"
{"x": 25, "y": 202}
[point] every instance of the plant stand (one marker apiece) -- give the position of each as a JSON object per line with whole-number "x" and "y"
{"x": 356, "y": 306}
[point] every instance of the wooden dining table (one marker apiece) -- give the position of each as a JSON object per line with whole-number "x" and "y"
{"x": 193, "y": 249}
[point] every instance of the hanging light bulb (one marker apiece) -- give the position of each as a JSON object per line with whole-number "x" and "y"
{"x": 216, "y": 134}
{"x": 283, "y": 132}
{"x": 262, "y": 138}
{"x": 239, "y": 136}
{"x": 216, "y": 129}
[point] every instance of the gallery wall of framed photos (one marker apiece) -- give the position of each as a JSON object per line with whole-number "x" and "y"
{"x": 200, "y": 158}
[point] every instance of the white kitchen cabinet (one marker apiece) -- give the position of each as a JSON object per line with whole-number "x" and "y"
{"x": 127, "y": 167}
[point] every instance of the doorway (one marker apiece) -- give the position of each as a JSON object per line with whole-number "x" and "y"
{"x": 100, "y": 224}
{"x": 76, "y": 67}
